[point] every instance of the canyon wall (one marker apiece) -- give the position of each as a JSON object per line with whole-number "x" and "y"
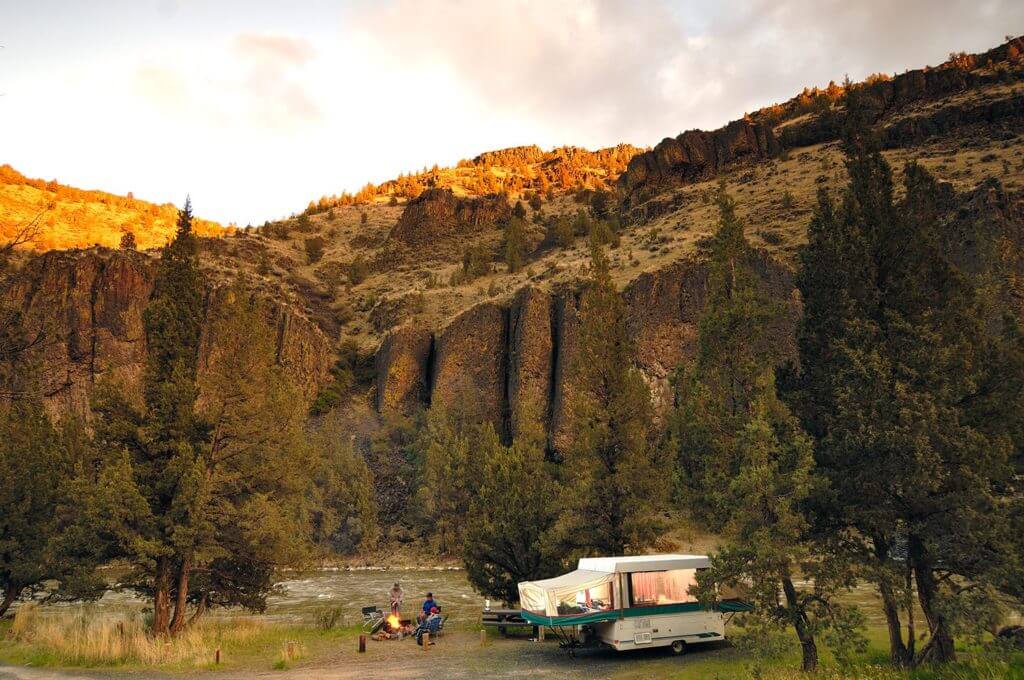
{"x": 501, "y": 359}
{"x": 86, "y": 306}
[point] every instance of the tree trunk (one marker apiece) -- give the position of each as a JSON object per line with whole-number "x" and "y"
{"x": 10, "y": 594}
{"x": 181, "y": 601}
{"x": 897, "y": 649}
{"x": 940, "y": 647}
{"x": 162, "y": 598}
{"x": 200, "y": 608}
{"x": 898, "y": 653}
{"x": 803, "y": 629}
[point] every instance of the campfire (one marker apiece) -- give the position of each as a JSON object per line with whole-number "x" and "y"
{"x": 395, "y": 628}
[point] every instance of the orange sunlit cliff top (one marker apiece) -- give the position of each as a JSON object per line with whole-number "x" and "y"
{"x": 75, "y": 218}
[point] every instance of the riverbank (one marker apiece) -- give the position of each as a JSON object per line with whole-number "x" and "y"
{"x": 459, "y": 655}
{"x": 258, "y": 646}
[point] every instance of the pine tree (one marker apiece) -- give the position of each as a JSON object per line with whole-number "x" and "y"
{"x": 620, "y": 492}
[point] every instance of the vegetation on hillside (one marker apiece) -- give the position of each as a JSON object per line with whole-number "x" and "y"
{"x": 77, "y": 218}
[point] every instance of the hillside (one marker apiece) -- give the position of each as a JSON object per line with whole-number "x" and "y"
{"x": 514, "y": 172}
{"x": 76, "y": 218}
{"x": 411, "y": 280}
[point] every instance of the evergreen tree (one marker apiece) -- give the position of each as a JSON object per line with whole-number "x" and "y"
{"x": 34, "y": 471}
{"x": 515, "y": 505}
{"x": 515, "y": 243}
{"x": 345, "y": 514}
{"x": 900, "y": 356}
{"x": 746, "y": 466}
{"x": 450, "y": 473}
{"x": 202, "y": 496}
{"x": 618, "y": 478}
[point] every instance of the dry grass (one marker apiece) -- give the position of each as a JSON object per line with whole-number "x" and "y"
{"x": 81, "y": 638}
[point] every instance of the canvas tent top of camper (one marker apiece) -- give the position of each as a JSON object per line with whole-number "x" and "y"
{"x": 608, "y": 588}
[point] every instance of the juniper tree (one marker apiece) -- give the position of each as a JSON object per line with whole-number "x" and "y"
{"x": 902, "y": 356}
{"x": 515, "y": 505}
{"x": 345, "y": 512}
{"x": 746, "y": 465}
{"x": 33, "y": 472}
{"x": 618, "y": 479}
{"x": 515, "y": 243}
{"x": 203, "y": 497}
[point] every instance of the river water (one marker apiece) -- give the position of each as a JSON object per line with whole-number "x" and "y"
{"x": 303, "y": 595}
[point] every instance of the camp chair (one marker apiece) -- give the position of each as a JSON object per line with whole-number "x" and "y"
{"x": 434, "y": 627}
{"x": 373, "y": 619}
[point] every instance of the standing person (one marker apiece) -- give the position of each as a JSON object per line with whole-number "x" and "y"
{"x": 397, "y": 597}
{"x": 428, "y": 605}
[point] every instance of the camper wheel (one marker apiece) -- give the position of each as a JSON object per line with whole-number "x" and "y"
{"x": 678, "y": 647}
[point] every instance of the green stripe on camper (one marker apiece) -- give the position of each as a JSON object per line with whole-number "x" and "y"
{"x": 630, "y": 612}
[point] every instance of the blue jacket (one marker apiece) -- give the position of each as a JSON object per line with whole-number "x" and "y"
{"x": 427, "y": 604}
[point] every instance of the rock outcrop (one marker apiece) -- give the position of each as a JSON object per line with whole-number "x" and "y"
{"x": 438, "y": 213}
{"x": 88, "y": 305}
{"x": 695, "y": 155}
{"x": 471, "y": 364}
{"x": 495, "y": 361}
{"x": 403, "y": 369}
{"x": 531, "y": 357}
{"x": 898, "y": 105}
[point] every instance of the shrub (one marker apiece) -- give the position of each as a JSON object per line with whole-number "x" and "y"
{"x": 358, "y": 270}
{"x": 128, "y": 241}
{"x": 787, "y": 200}
{"x": 329, "y": 618}
{"x": 314, "y": 249}
{"x": 363, "y": 217}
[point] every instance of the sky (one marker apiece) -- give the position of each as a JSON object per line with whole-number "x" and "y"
{"x": 256, "y": 107}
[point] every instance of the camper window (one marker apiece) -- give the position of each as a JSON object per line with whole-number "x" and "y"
{"x": 594, "y": 599}
{"x": 651, "y": 588}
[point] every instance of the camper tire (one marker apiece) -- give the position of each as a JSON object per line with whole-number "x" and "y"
{"x": 678, "y": 647}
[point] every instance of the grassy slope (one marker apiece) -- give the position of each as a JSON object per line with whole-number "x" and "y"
{"x": 74, "y": 218}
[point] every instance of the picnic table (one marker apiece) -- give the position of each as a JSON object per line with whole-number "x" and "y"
{"x": 503, "y": 619}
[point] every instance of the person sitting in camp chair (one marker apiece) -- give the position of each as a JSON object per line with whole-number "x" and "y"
{"x": 428, "y": 605}
{"x": 431, "y": 625}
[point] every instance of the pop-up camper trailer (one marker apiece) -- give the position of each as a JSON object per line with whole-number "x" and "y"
{"x": 629, "y": 602}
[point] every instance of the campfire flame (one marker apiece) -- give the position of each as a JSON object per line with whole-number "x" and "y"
{"x": 394, "y": 623}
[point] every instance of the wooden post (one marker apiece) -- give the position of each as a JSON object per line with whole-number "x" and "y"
{"x": 217, "y": 657}
{"x": 426, "y": 640}
{"x": 362, "y": 644}
{"x": 483, "y": 637}
{"x": 540, "y": 633}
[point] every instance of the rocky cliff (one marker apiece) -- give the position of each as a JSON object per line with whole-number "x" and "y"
{"x": 438, "y": 213}
{"x": 907, "y": 108}
{"x": 88, "y": 306}
{"x": 500, "y": 360}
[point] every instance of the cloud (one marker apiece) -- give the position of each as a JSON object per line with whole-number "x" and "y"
{"x": 275, "y": 50}
{"x": 601, "y": 70}
{"x": 255, "y": 81}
